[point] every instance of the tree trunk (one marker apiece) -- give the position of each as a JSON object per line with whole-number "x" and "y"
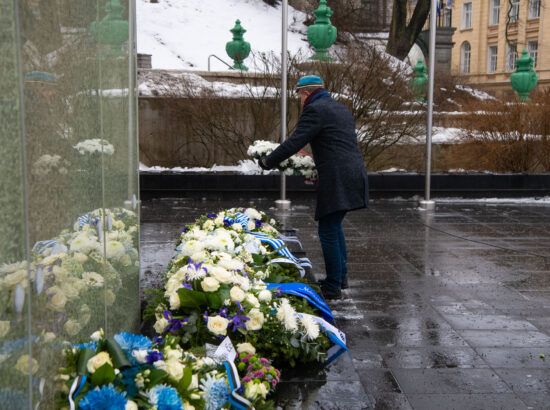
{"x": 402, "y": 35}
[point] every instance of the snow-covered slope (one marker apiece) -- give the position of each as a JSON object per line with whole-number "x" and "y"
{"x": 181, "y": 34}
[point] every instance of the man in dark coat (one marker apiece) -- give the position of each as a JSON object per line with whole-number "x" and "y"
{"x": 329, "y": 128}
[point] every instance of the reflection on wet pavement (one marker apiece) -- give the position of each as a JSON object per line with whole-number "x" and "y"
{"x": 448, "y": 310}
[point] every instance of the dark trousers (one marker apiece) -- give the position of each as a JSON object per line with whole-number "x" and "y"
{"x": 333, "y": 243}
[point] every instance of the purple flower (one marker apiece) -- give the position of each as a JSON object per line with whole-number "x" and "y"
{"x": 187, "y": 285}
{"x": 228, "y": 222}
{"x": 257, "y": 374}
{"x": 279, "y": 292}
{"x": 258, "y": 223}
{"x": 223, "y": 312}
{"x": 246, "y": 379}
{"x": 205, "y": 316}
{"x": 154, "y": 356}
{"x": 159, "y": 340}
{"x": 211, "y": 215}
{"x": 238, "y": 321}
{"x": 173, "y": 324}
{"x": 185, "y": 229}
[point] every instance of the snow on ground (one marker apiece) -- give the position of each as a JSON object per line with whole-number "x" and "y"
{"x": 482, "y": 95}
{"x": 181, "y": 34}
{"x": 247, "y": 167}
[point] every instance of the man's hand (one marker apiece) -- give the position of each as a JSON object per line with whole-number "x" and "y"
{"x": 262, "y": 163}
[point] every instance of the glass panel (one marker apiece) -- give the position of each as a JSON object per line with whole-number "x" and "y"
{"x": 15, "y": 350}
{"x": 69, "y": 156}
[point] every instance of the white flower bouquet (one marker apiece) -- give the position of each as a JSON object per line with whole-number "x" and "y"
{"x": 214, "y": 288}
{"x": 300, "y": 164}
{"x": 93, "y": 146}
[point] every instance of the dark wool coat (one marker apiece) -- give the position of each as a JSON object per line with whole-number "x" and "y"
{"x": 329, "y": 128}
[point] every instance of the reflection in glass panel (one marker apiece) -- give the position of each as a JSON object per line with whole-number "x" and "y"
{"x": 71, "y": 161}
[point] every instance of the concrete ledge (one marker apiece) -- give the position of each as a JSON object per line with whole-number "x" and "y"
{"x": 382, "y": 183}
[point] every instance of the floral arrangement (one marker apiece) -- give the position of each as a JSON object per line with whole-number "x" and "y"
{"x": 47, "y": 164}
{"x": 130, "y": 372}
{"x": 95, "y": 145}
{"x": 216, "y": 287}
{"x": 261, "y": 378}
{"x": 300, "y": 164}
{"x": 95, "y": 260}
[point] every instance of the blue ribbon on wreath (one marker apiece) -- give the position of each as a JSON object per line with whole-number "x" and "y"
{"x": 304, "y": 291}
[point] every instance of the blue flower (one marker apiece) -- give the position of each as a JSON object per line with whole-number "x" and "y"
{"x": 258, "y": 223}
{"x": 89, "y": 345}
{"x": 154, "y": 356}
{"x": 106, "y": 398}
{"x": 211, "y": 215}
{"x": 17, "y": 400}
{"x": 165, "y": 398}
{"x": 128, "y": 381}
{"x": 129, "y": 342}
{"x": 215, "y": 392}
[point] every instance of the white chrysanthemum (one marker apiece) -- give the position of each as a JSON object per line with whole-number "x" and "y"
{"x": 311, "y": 327}
{"x": 252, "y": 213}
{"x": 84, "y": 243}
{"x": 115, "y": 250}
{"x": 287, "y": 315}
{"x": 191, "y": 247}
{"x": 93, "y": 279}
{"x": 265, "y": 296}
{"x": 195, "y": 271}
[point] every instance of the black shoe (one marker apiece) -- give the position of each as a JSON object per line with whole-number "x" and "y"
{"x": 345, "y": 284}
{"x": 330, "y": 293}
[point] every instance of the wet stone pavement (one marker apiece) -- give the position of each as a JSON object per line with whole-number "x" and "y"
{"x": 445, "y": 310}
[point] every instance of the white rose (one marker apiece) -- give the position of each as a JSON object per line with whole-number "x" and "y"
{"x": 219, "y": 221}
{"x": 140, "y": 355}
{"x": 173, "y": 354}
{"x": 251, "y": 225}
{"x": 174, "y": 369}
{"x": 237, "y": 294}
{"x": 251, "y": 299}
{"x": 246, "y": 348}
{"x": 199, "y": 256}
{"x": 96, "y": 335}
{"x": 252, "y": 390}
{"x": 265, "y": 296}
{"x": 97, "y": 361}
{"x": 174, "y": 301}
{"x": 69, "y": 291}
{"x": 72, "y": 327}
{"x": 160, "y": 325}
{"x": 237, "y": 227}
{"x": 58, "y": 300}
{"x": 256, "y": 319}
{"x": 23, "y": 365}
{"x": 49, "y": 337}
{"x": 210, "y": 284}
{"x": 4, "y": 327}
{"x": 160, "y": 364}
{"x": 221, "y": 275}
{"x": 208, "y": 225}
{"x": 218, "y": 325}
{"x": 263, "y": 390}
{"x": 131, "y": 405}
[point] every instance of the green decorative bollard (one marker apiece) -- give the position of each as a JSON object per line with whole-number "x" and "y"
{"x": 238, "y": 49}
{"x": 524, "y": 79}
{"x": 322, "y": 34}
{"x": 419, "y": 82}
{"x": 112, "y": 29}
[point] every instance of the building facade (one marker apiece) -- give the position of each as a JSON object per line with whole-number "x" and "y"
{"x": 491, "y": 34}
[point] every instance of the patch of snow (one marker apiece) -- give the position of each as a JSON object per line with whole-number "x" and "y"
{"x": 393, "y": 170}
{"x": 247, "y": 167}
{"x": 481, "y": 95}
{"x": 181, "y": 34}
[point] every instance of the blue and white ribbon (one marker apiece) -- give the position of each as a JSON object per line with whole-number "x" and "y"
{"x": 335, "y": 335}
{"x": 279, "y": 246}
{"x": 304, "y": 291}
{"x": 290, "y": 239}
{"x": 77, "y": 385}
{"x": 41, "y": 246}
{"x": 236, "y": 400}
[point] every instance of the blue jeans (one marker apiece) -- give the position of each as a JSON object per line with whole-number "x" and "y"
{"x": 333, "y": 243}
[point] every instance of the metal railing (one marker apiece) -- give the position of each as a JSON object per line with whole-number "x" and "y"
{"x": 213, "y": 55}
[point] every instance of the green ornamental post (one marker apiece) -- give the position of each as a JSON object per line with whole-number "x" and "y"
{"x": 322, "y": 34}
{"x": 524, "y": 79}
{"x": 238, "y": 49}
{"x": 112, "y": 29}
{"x": 419, "y": 82}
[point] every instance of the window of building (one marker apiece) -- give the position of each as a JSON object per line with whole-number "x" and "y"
{"x": 465, "y": 58}
{"x": 514, "y": 11}
{"x": 495, "y": 12}
{"x": 492, "y": 59}
{"x": 511, "y": 57}
{"x": 534, "y": 9}
{"x": 466, "y": 15}
{"x": 533, "y": 48}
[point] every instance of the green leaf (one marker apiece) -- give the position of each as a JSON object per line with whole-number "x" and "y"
{"x": 258, "y": 259}
{"x": 294, "y": 342}
{"x": 85, "y": 355}
{"x": 155, "y": 377}
{"x": 185, "y": 381}
{"x": 119, "y": 357}
{"x": 214, "y": 300}
{"x": 104, "y": 375}
{"x": 192, "y": 298}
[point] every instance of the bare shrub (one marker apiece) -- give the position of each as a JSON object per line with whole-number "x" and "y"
{"x": 380, "y": 100}
{"x": 510, "y": 136}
